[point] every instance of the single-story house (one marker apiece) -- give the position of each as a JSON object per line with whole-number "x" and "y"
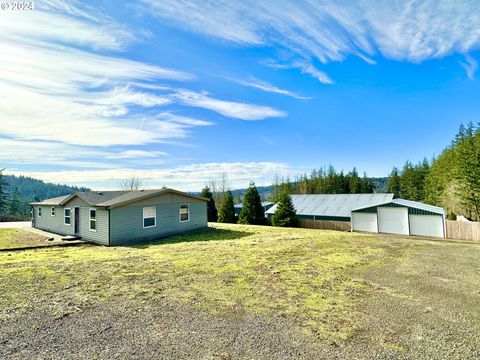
{"x": 378, "y": 212}
{"x": 265, "y": 204}
{"x": 121, "y": 217}
{"x": 400, "y": 216}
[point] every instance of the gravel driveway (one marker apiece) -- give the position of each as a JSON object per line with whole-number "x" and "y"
{"x": 15, "y": 225}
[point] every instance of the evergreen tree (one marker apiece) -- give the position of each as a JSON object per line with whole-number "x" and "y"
{"x": 15, "y": 204}
{"x": 408, "y": 189}
{"x": 468, "y": 174}
{"x": 285, "y": 214}
{"x": 252, "y": 210}
{"x": 460, "y": 135}
{"x": 3, "y": 196}
{"x": 393, "y": 183}
{"x": 226, "y": 214}
{"x": 354, "y": 182}
{"x": 279, "y": 187}
{"x": 212, "y": 214}
{"x": 366, "y": 185}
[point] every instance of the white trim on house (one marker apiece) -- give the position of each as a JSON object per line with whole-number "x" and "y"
{"x": 90, "y": 219}
{"x": 151, "y": 215}
{"x": 39, "y": 211}
{"x": 52, "y": 211}
{"x": 65, "y": 216}
{"x": 180, "y": 213}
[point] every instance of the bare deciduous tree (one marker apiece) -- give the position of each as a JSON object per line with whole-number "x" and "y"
{"x": 219, "y": 187}
{"x": 134, "y": 182}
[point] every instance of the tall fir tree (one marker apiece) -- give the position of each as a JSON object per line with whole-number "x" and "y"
{"x": 354, "y": 182}
{"x": 393, "y": 183}
{"x": 3, "y": 196}
{"x": 468, "y": 174}
{"x": 226, "y": 213}
{"x": 280, "y": 186}
{"x": 252, "y": 210}
{"x": 15, "y": 204}
{"x": 285, "y": 214}
{"x": 212, "y": 213}
{"x": 366, "y": 185}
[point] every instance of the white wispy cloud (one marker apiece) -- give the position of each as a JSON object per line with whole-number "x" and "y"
{"x": 470, "y": 65}
{"x": 328, "y": 30}
{"x": 267, "y": 140}
{"x": 186, "y": 177}
{"x": 63, "y": 103}
{"x": 238, "y": 110}
{"x": 73, "y": 156}
{"x": 136, "y": 154}
{"x": 307, "y": 68}
{"x": 265, "y": 86}
{"x": 61, "y": 92}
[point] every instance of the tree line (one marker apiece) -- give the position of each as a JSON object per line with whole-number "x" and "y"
{"x": 450, "y": 180}
{"x": 16, "y": 193}
{"x": 323, "y": 181}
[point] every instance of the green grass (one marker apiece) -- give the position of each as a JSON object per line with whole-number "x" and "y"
{"x": 16, "y": 238}
{"x": 321, "y": 280}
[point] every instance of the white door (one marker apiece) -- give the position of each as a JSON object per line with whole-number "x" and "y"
{"x": 426, "y": 225}
{"x": 364, "y": 222}
{"x": 393, "y": 220}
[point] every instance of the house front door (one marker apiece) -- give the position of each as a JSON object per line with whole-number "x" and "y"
{"x": 77, "y": 221}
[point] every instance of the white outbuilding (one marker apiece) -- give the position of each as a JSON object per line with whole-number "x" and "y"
{"x": 399, "y": 216}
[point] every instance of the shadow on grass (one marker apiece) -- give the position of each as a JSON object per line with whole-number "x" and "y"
{"x": 209, "y": 234}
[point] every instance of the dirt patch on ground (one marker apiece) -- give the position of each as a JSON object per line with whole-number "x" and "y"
{"x": 166, "y": 331}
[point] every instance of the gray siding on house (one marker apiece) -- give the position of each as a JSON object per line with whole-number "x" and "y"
{"x": 101, "y": 235}
{"x": 50, "y": 223}
{"x": 127, "y": 222}
{"x": 56, "y": 224}
{"x": 123, "y": 225}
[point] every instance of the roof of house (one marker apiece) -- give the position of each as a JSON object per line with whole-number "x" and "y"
{"x": 408, "y": 203}
{"x": 52, "y": 201}
{"x": 112, "y": 199}
{"x": 335, "y": 205}
{"x": 264, "y": 203}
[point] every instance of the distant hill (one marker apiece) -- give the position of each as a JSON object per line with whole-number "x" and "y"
{"x": 380, "y": 184}
{"x": 31, "y": 189}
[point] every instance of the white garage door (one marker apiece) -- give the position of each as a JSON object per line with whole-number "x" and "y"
{"x": 393, "y": 220}
{"x": 426, "y": 225}
{"x": 364, "y": 222}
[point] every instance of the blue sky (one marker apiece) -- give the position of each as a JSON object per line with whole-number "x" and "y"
{"x": 179, "y": 92}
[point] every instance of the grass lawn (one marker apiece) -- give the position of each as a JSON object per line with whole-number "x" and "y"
{"x": 244, "y": 292}
{"x": 16, "y": 238}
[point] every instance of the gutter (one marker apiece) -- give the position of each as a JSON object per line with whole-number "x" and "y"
{"x": 109, "y": 228}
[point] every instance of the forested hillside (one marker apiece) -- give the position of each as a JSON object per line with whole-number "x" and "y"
{"x": 16, "y": 192}
{"x": 451, "y": 180}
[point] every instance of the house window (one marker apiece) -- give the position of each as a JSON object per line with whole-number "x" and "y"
{"x": 149, "y": 216}
{"x": 67, "y": 216}
{"x": 93, "y": 220}
{"x": 52, "y": 211}
{"x": 39, "y": 211}
{"x": 184, "y": 212}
